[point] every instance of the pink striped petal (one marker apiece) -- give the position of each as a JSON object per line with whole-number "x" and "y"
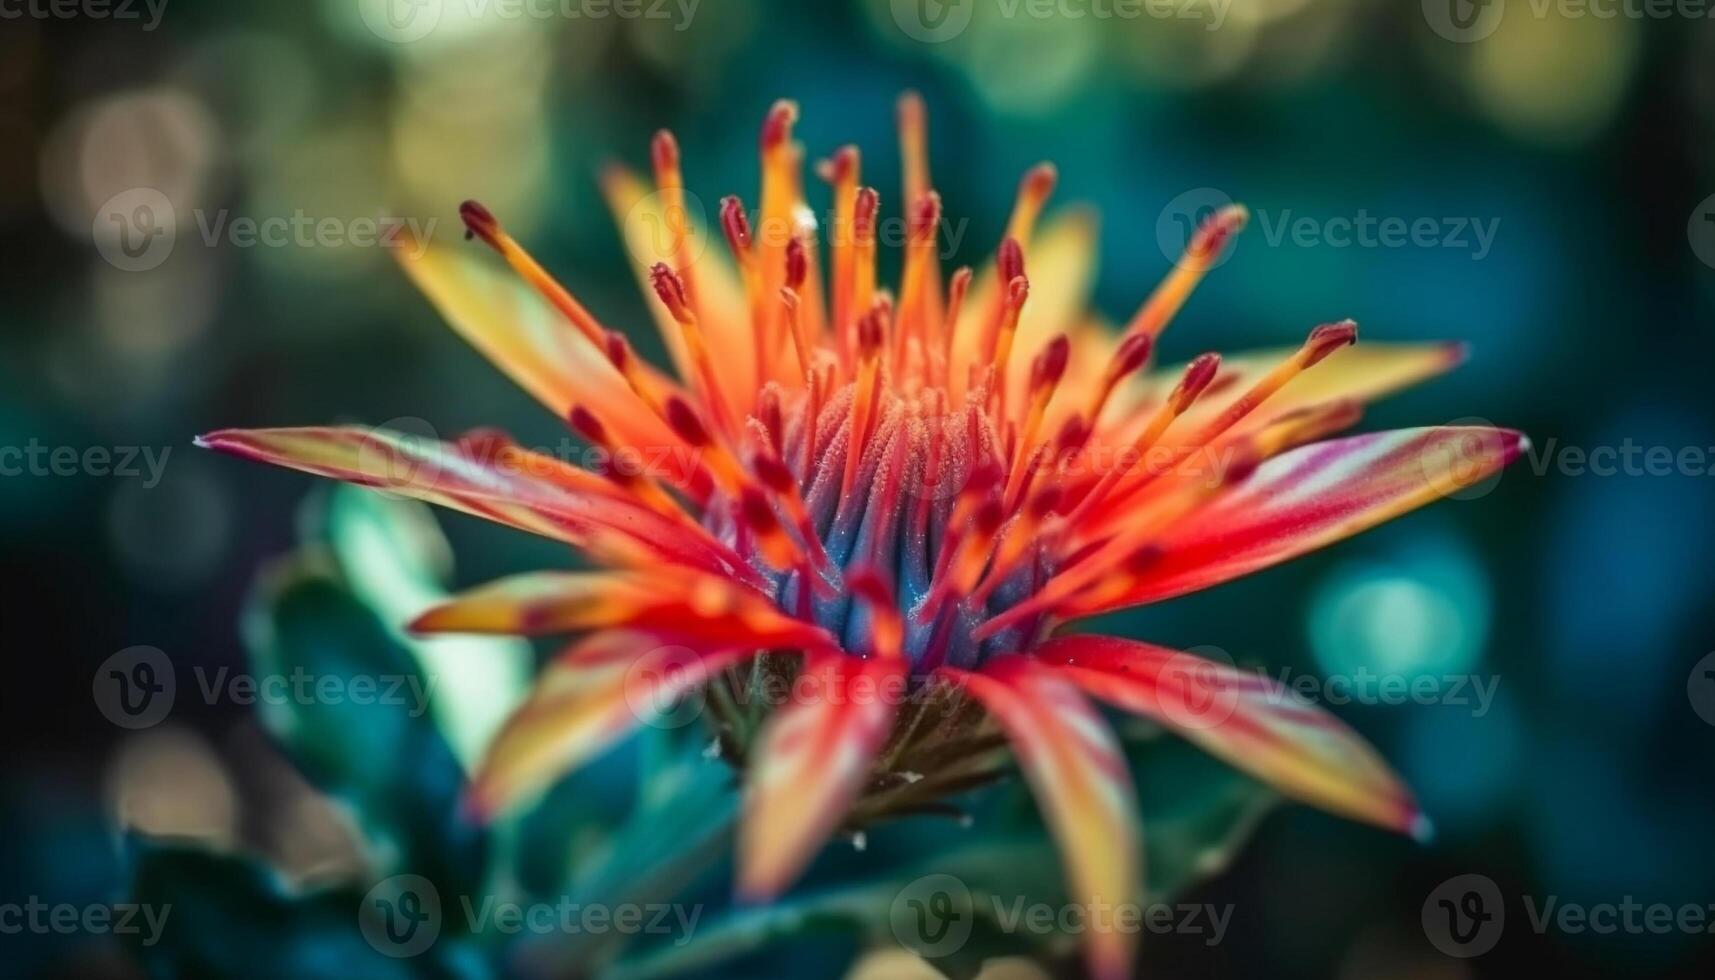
{"x": 1309, "y": 498}
{"x": 1246, "y": 719}
{"x": 703, "y": 609}
{"x": 584, "y": 702}
{"x": 813, "y": 760}
{"x": 1079, "y": 776}
{"x": 509, "y": 485}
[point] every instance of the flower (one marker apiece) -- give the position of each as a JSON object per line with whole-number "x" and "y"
{"x": 888, "y": 506}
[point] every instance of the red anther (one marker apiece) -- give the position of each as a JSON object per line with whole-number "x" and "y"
{"x": 1198, "y": 374}
{"x": 1143, "y": 559}
{"x": 1132, "y": 353}
{"x": 1213, "y": 234}
{"x": 773, "y": 473}
{"x": 984, "y": 476}
{"x": 1039, "y": 180}
{"x": 617, "y": 349}
{"x": 1072, "y": 434}
{"x": 585, "y": 424}
{"x": 755, "y": 509}
{"x": 863, "y": 213}
{"x": 685, "y": 421}
{"x": 735, "y": 224}
{"x": 838, "y": 168}
{"x": 1010, "y": 260}
{"x": 925, "y": 216}
{"x": 1017, "y": 291}
{"x": 1328, "y": 338}
{"x": 671, "y": 289}
{"x": 1044, "y": 501}
{"x": 768, "y": 412}
{"x": 777, "y": 128}
{"x": 1050, "y": 365}
{"x": 664, "y": 151}
{"x": 989, "y": 517}
{"x": 480, "y": 222}
{"x": 868, "y": 584}
{"x": 797, "y": 266}
{"x": 872, "y": 331}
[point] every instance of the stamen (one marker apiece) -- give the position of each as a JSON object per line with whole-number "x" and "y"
{"x": 914, "y": 317}
{"x": 842, "y": 173}
{"x": 1046, "y": 370}
{"x": 1201, "y": 253}
{"x": 863, "y": 250}
{"x": 479, "y": 221}
{"x": 1033, "y": 192}
{"x": 1131, "y": 355}
{"x": 871, "y": 335}
{"x": 1324, "y": 340}
{"x": 771, "y": 540}
{"x": 1194, "y": 382}
{"x": 914, "y": 144}
{"x": 671, "y": 289}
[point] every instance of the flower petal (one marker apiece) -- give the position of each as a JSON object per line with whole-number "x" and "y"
{"x": 529, "y": 340}
{"x": 696, "y": 608}
{"x": 521, "y": 489}
{"x": 1308, "y": 498}
{"x": 1079, "y": 776}
{"x": 813, "y": 759}
{"x": 585, "y": 701}
{"x": 1253, "y": 723}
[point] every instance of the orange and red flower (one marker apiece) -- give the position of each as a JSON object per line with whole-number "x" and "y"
{"x": 890, "y": 507}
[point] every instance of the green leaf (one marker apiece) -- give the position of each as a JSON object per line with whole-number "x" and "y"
{"x": 392, "y": 554}
{"x": 354, "y": 716}
{"x": 224, "y": 917}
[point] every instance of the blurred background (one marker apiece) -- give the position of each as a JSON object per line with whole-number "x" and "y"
{"x": 1557, "y": 165}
